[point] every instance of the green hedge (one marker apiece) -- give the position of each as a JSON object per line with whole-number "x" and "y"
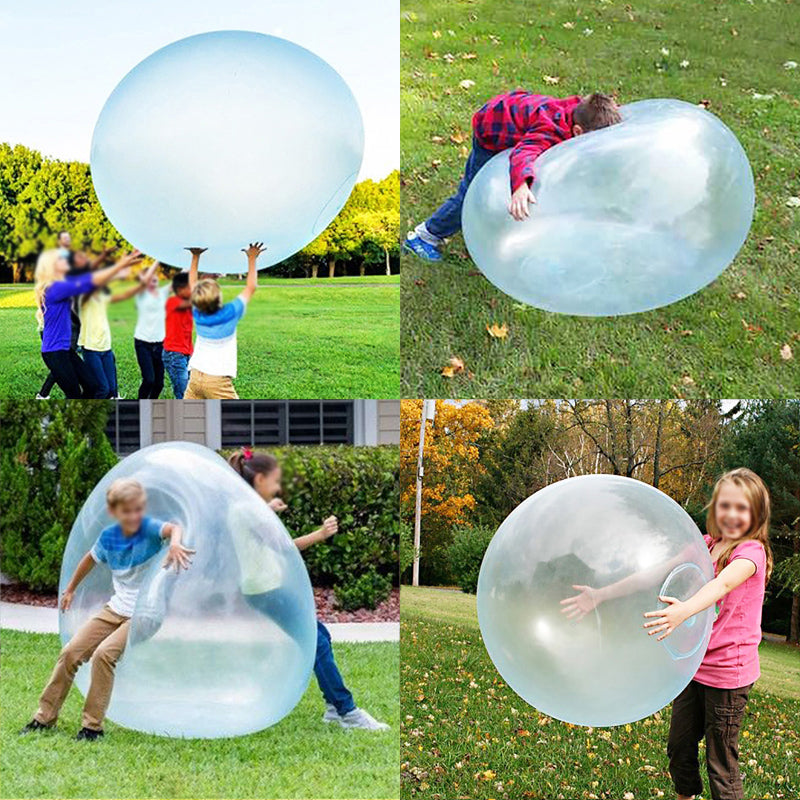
{"x": 360, "y": 485}
{"x": 465, "y": 555}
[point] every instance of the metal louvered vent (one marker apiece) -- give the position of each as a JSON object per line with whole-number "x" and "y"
{"x": 124, "y": 426}
{"x": 264, "y": 422}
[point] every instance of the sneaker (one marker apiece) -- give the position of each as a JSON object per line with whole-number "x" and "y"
{"x": 331, "y": 714}
{"x": 421, "y": 248}
{"x": 42, "y": 396}
{"x": 358, "y": 718}
{"x": 34, "y": 726}
{"x": 89, "y": 735}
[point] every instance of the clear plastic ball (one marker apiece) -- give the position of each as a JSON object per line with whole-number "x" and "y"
{"x": 628, "y": 218}
{"x": 590, "y": 661}
{"x": 222, "y": 139}
{"x": 209, "y": 653}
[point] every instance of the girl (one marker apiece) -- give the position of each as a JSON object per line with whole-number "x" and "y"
{"x": 713, "y": 704}
{"x": 148, "y": 336}
{"x": 54, "y": 291}
{"x": 263, "y": 473}
{"x": 95, "y": 333}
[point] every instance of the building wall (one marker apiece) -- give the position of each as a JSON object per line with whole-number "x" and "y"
{"x": 388, "y": 421}
{"x": 175, "y": 421}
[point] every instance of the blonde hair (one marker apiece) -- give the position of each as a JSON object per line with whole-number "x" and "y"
{"x": 44, "y": 277}
{"x": 124, "y": 490}
{"x": 207, "y": 296}
{"x": 758, "y": 497}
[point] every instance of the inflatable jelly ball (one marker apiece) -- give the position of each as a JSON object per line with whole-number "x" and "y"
{"x": 589, "y": 660}
{"x": 627, "y": 218}
{"x": 221, "y": 649}
{"x": 222, "y": 139}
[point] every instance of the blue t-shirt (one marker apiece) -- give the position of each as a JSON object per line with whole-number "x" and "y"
{"x": 215, "y": 346}
{"x": 127, "y": 557}
{"x": 57, "y": 333}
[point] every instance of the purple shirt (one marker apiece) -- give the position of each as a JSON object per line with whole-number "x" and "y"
{"x": 57, "y": 334}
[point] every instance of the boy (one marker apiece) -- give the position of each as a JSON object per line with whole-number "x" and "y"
{"x": 212, "y": 366}
{"x": 178, "y": 338}
{"x": 126, "y": 548}
{"x": 528, "y": 123}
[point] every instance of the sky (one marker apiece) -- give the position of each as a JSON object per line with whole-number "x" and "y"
{"x": 66, "y": 58}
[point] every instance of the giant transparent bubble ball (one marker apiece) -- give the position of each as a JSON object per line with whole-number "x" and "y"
{"x": 206, "y": 656}
{"x": 222, "y": 139}
{"x": 613, "y": 535}
{"x": 627, "y": 219}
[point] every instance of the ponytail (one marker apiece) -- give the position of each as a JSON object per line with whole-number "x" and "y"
{"x": 249, "y": 464}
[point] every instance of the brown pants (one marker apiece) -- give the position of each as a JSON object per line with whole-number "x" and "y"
{"x": 209, "y": 387}
{"x": 717, "y": 714}
{"x": 103, "y": 636}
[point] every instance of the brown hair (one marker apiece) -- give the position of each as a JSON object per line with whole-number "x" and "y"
{"x": 207, "y": 296}
{"x": 596, "y": 111}
{"x": 758, "y": 496}
{"x": 249, "y": 464}
{"x": 123, "y": 490}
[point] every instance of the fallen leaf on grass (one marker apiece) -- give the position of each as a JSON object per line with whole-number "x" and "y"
{"x": 552, "y": 80}
{"x": 437, "y": 139}
{"x": 455, "y": 366}
{"x": 786, "y": 353}
{"x": 437, "y": 34}
{"x": 739, "y": 296}
{"x": 687, "y": 380}
{"x": 497, "y": 331}
{"x": 495, "y": 68}
{"x": 458, "y": 136}
{"x": 793, "y": 202}
{"x": 704, "y": 104}
{"x": 687, "y": 332}
{"x": 750, "y": 328}
{"x": 466, "y": 84}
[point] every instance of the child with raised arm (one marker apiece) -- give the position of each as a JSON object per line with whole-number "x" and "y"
{"x": 178, "y": 336}
{"x": 148, "y": 336}
{"x": 126, "y": 548}
{"x": 527, "y": 123}
{"x": 212, "y": 366}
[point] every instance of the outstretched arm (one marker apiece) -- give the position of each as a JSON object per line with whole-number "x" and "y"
{"x": 329, "y": 527}
{"x": 84, "y": 567}
{"x": 177, "y": 555}
{"x": 139, "y": 286}
{"x": 103, "y": 255}
{"x": 665, "y": 620}
{"x": 253, "y": 252}
{"x": 195, "y": 265}
{"x": 103, "y": 276}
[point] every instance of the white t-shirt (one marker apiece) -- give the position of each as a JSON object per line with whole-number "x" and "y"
{"x": 215, "y": 346}
{"x": 151, "y": 311}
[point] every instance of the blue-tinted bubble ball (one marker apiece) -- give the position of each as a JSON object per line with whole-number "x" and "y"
{"x": 563, "y": 588}
{"x": 222, "y": 139}
{"x": 224, "y": 648}
{"x": 628, "y": 218}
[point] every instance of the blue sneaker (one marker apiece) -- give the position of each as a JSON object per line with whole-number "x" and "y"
{"x": 421, "y": 248}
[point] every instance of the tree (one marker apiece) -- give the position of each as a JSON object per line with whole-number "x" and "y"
{"x": 53, "y": 455}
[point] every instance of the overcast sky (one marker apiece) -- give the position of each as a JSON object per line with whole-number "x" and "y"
{"x": 60, "y": 61}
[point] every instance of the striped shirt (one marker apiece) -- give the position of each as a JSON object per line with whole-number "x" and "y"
{"x": 215, "y": 345}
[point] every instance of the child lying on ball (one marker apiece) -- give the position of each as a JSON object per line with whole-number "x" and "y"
{"x": 212, "y": 366}
{"x": 527, "y": 123}
{"x": 126, "y": 548}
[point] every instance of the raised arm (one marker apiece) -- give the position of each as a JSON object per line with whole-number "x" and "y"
{"x": 103, "y": 256}
{"x": 103, "y": 276}
{"x": 139, "y": 286}
{"x": 177, "y": 555}
{"x": 195, "y": 265}
{"x": 329, "y": 527}
{"x": 84, "y": 567}
{"x": 253, "y": 252}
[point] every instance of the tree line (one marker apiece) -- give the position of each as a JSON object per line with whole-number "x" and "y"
{"x": 483, "y": 458}
{"x": 40, "y": 196}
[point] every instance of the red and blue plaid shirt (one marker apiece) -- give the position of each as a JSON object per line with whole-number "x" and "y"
{"x": 530, "y": 123}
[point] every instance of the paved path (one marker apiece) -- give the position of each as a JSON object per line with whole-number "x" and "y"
{"x": 39, "y": 619}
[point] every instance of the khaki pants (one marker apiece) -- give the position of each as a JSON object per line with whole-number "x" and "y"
{"x": 103, "y": 636}
{"x": 209, "y": 387}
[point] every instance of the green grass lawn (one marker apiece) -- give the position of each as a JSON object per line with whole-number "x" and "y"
{"x": 466, "y": 735}
{"x": 726, "y": 340}
{"x": 300, "y": 757}
{"x": 299, "y": 339}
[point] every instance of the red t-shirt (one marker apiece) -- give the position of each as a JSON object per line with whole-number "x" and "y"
{"x": 178, "y": 337}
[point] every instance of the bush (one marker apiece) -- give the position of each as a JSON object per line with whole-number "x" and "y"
{"x": 364, "y": 591}
{"x": 360, "y": 486}
{"x": 465, "y": 555}
{"x": 53, "y": 455}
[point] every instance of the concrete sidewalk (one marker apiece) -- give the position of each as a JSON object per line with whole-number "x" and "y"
{"x": 39, "y": 619}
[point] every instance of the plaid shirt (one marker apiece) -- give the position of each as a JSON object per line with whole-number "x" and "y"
{"x": 530, "y": 123}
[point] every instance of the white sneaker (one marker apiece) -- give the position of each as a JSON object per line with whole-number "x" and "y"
{"x": 331, "y": 714}
{"x": 358, "y": 718}
{"x": 42, "y": 397}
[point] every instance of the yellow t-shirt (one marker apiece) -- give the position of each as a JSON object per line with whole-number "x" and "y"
{"x": 95, "y": 330}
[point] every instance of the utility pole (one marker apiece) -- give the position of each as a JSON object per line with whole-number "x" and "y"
{"x": 428, "y": 413}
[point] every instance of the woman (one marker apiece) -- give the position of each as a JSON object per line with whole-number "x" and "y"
{"x": 54, "y": 291}
{"x": 148, "y": 336}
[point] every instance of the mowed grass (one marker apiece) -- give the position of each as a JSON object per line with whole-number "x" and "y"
{"x": 300, "y": 757}
{"x": 466, "y": 735}
{"x": 724, "y": 341}
{"x": 299, "y": 339}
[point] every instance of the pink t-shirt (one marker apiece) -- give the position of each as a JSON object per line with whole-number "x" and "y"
{"x": 731, "y": 660}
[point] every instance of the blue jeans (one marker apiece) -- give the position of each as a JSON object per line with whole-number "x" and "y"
{"x": 329, "y": 678}
{"x": 446, "y": 220}
{"x": 151, "y": 365}
{"x": 177, "y": 367}
{"x": 104, "y": 369}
